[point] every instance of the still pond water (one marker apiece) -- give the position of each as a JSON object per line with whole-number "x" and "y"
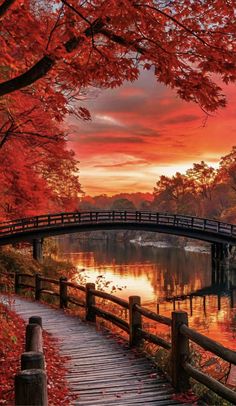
{"x": 156, "y": 274}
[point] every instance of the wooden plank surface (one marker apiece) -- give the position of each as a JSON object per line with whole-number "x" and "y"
{"x": 101, "y": 370}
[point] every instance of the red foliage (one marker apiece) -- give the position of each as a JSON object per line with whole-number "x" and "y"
{"x": 188, "y": 398}
{"x": 37, "y": 172}
{"x": 12, "y": 345}
{"x": 54, "y": 53}
{"x": 58, "y": 391}
{"x": 63, "y": 48}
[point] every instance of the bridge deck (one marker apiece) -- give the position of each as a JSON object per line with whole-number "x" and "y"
{"x": 101, "y": 371}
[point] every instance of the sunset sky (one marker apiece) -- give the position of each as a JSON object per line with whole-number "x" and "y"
{"x": 143, "y": 130}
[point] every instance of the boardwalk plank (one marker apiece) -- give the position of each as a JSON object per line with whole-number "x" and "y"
{"x": 101, "y": 370}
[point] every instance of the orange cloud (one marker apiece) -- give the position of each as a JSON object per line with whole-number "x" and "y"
{"x": 142, "y": 130}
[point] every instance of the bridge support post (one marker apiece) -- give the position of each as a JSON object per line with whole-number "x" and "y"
{"x": 217, "y": 258}
{"x": 38, "y": 249}
{"x": 221, "y": 255}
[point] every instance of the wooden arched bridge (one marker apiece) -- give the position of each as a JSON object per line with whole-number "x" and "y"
{"x": 65, "y": 223}
{"x": 221, "y": 235}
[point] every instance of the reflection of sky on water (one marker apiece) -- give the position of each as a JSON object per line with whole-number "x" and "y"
{"x": 154, "y": 274}
{"x": 131, "y": 284}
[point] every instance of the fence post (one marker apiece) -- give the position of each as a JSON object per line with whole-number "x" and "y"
{"x": 90, "y": 301}
{"x": 33, "y": 338}
{"x": 32, "y": 360}
{"x": 36, "y": 320}
{"x": 31, "y": 388}
{"x": 63, "y": 292}
{"x": 38, "y": 284}
{"x": 135, "y": 321}
{"x": 17, "y": 282}
{"x": 179, "y": 352}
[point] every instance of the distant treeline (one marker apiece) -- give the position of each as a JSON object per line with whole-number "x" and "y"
{"x": 202, "y": 191}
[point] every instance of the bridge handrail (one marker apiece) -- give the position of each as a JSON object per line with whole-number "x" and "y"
{"x": 28, "y": 218}
{"x": 32, "y": 218}
{"x": 15, "y": 227}
{"x": 180, "y": 333}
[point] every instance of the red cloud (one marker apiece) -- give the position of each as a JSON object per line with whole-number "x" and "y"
{"x": 148, "y": 123}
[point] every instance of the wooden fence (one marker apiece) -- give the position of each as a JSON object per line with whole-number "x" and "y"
{"x": 31, "y": 381}
{"x": 181, "y": 334}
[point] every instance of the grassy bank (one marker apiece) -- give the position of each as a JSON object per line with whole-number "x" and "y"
{"x": 12, "y": 261}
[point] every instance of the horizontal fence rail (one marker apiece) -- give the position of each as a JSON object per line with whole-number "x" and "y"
{"x": 181, "y": 334}
{"x": 175, "y": 222}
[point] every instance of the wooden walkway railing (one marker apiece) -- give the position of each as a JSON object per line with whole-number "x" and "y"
{"x": 181, "y": 334}
{"x": 103, "y": 217}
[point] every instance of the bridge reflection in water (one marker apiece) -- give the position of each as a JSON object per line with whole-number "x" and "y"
{"x": 222, "y": 236}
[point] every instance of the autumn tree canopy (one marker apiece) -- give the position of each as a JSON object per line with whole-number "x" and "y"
{"x": 202, "y": 191}
{"x": 36, "y": 177}
{"x": 55, "y": 52}
{"x": 59, "y": 50}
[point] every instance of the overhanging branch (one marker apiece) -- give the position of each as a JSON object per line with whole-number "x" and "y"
{"x": 5, "y": 6}
{"x": 45, "y": 64}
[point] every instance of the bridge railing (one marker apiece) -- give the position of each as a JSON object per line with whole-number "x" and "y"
{"x": 181, "y": 334}
{"x": 107, "y": 216}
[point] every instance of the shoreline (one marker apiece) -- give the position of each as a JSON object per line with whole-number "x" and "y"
{"x": 164, "y": 244}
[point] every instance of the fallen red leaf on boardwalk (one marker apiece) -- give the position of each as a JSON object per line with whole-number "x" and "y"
{"x": 188, "y": 397}
{"x": 12, "y": 345}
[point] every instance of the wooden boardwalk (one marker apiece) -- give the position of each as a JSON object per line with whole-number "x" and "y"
{"x": 101, "y": 371}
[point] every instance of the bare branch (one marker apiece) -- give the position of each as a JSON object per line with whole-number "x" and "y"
{"x": 76, "y": 11}
{"x": 177, "y": 22}
{"x": 54, "y": 27}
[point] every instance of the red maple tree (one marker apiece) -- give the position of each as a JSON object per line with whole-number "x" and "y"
{"x": 37, "y": 171}
{"x": 54, "y": 53}
{"x": 60, "y": 49}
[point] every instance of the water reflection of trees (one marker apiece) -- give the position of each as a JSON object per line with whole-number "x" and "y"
{"x": 170, "y": 271}
{"x": 165, "y": 272}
